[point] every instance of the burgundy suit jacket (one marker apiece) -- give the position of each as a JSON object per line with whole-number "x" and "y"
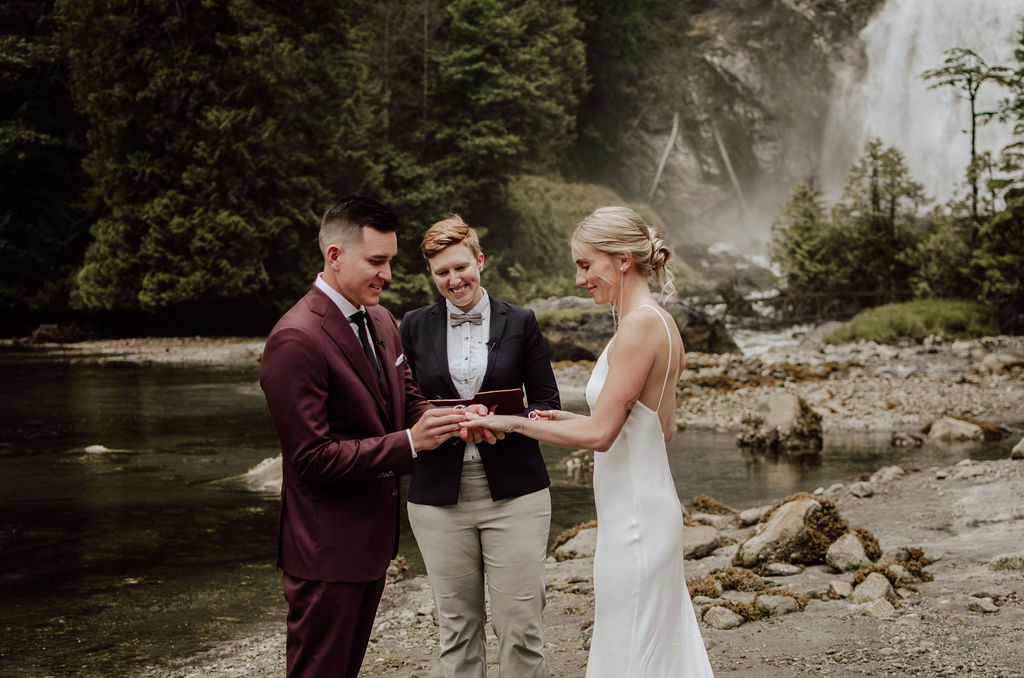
{"x": 343, "y": 439}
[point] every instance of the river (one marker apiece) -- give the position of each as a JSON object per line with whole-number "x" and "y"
{"x": 118, "y": 559}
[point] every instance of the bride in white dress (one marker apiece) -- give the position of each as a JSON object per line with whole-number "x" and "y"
{"x": 644, "y": 623}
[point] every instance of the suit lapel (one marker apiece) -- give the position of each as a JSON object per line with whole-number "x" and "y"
{"x": 387, "y": 355}
{"x": 499, "y": 314}
{"x": 337, "y": 326}
{"x": 438, "y": 326}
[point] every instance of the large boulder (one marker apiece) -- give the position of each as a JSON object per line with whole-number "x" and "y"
{"x": 264, "y": 476}
{"x": 952, "y": 429}
{"x": 798, "y": 531}
{"x": 781, "y": 422}
{"x": 581, "y": 545}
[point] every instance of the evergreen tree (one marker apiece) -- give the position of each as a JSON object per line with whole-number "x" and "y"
{"x": 804, "y": 243}
{"x": 509, "y": 77}
{"x": 636, "y": 54}
{"x": 219, "y": 131}
{"x": 964, "y": 70}
{"x": 998, "y": 264}
{"x": 43, "y": 221}
{"x": 879, "y": 210}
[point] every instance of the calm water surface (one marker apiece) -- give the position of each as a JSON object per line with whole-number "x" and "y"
{"x": 127, "y": 558}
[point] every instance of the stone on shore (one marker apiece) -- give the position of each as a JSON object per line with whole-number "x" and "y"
{"x": 874, "y": 587}
{"x": 840, "y": 588}
{"x": 880, "y": 608}
{"x": 700, "y": 541}
{"x": 264, "y": 476}
{"x": 1008, "y": 561}
{"x": 952, "y": 429}
{"x": 994, "y": 363}
{"x": 581, "y": 545}
{"x": 793, "y": 533}
{"x": 862, "y": 489}
{"x": 782, "y": 570}
{"x": 985, "y": 605}
{"x": 752, "y": 515}
{"x": 783, "y": 421}
{"x": 888, "y": 473}
{"x": 719, "y": 617}
{"x": 847, "y": 553}
{"x": 775, "y": 605}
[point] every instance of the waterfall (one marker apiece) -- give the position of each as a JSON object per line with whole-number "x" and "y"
{"x": 883, "y": 95}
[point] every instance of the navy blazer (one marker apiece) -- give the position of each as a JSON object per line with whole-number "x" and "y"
{"x": 517, "y": 356}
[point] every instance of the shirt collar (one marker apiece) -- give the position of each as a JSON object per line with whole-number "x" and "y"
{"x": 483, "y": 307}
{"x": 343, "y": 304}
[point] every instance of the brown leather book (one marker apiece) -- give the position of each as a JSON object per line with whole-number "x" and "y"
{"x": 504, "y": 401}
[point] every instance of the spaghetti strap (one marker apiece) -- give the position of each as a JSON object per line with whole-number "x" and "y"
{"x": 668, "y": 365}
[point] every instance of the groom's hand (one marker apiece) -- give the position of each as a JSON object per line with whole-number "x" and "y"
{"x": 437, "y": 425}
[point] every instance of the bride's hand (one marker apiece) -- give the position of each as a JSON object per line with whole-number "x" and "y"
{"x": 498, "y": 423}
{"x": 553, "y": 415}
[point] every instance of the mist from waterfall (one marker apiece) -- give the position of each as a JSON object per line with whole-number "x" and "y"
{"x": 883, "y": 95}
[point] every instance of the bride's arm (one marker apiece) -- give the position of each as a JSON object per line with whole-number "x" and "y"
{"x": 629, "y": 363}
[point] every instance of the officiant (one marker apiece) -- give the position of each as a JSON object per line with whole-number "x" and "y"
{"x": 480, "y": 512}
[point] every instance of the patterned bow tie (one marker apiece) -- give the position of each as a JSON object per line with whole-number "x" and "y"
{"x": 459, "y": 318}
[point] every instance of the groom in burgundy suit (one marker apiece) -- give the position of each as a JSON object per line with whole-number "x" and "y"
{"x": 350, "y": 419}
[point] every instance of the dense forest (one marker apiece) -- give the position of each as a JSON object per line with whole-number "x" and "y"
{"x": 165, "y": 162}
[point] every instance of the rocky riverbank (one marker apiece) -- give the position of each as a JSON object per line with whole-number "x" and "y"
{"x": 863, "y": 386}
{"x": 962, "y": 615}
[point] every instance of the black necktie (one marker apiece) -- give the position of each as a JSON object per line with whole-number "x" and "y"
{"x": 459, "y": 318}
{"x": 359, "y": 318}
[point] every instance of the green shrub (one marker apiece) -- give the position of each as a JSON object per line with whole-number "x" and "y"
{"x": 918, "y": 319}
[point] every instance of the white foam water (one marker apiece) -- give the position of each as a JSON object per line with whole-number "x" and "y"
{"x": 886, "y": 97}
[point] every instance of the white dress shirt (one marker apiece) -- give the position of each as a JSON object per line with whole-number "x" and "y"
{"x": 467, "y": 356}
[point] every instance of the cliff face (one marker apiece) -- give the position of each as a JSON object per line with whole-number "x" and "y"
{"x": 750, "y": 113}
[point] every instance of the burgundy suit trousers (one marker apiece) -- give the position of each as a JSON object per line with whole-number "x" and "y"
{"x": 329, "y": 626}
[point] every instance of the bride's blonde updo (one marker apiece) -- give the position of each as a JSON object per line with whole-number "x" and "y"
{"x": 619, "y": 231}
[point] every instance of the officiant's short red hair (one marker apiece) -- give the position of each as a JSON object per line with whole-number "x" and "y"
{"x": 447, "y": 232}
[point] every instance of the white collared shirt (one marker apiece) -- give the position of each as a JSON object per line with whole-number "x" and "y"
{"x": 347, "y": 309}
{"x": 467, "y": 355}
{"x": 343, "y": 304}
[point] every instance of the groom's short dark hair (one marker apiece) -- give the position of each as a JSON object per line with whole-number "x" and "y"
{"x": 343, "y": 222}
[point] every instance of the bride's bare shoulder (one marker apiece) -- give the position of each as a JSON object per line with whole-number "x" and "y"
{"x": 638, "y": 324}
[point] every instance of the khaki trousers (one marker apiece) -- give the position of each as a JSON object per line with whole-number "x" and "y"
{"x": 505, "y": 539}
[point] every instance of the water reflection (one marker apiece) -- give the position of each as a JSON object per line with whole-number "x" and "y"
{"x": 782, "y": 472}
